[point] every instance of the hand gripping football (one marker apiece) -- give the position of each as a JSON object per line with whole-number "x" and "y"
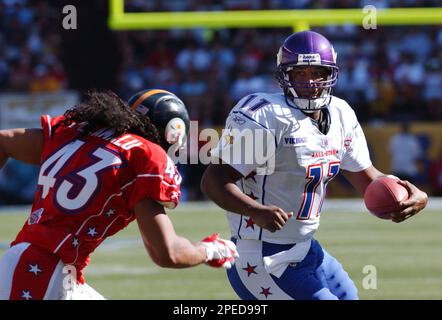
{"x": 384, "y": 195}
{"x": 220, "y": 252}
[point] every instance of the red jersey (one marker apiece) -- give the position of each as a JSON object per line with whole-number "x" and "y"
{"x": 88, "y": 187}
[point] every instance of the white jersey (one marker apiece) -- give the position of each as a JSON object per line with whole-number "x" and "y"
{"x": 301, "y": 161}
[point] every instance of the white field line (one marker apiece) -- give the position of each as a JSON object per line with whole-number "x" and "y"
{"x": 343, "y": 205}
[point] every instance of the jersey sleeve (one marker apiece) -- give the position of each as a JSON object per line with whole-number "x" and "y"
{"x": 157, "y": 177}
{"x": 356, "y": 156}
{"x": 48, "y": 123}
{"x": 249, "y": 140}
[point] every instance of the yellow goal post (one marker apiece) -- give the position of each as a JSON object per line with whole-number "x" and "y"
{"x": 297, "y": 19}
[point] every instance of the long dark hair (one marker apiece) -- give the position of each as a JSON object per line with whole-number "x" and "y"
{"x": 101, "y": 109}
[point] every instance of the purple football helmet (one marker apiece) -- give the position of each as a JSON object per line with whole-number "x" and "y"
{"x": 301, "y": 49}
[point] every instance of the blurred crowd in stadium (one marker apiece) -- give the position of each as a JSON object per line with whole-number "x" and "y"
{"x": 386, "y": 74}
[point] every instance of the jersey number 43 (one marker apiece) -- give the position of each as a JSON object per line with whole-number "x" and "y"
{"x": 73, "y": 191}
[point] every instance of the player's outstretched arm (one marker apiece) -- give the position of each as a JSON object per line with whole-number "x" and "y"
{"x": 21, "y": 144}
{"x": 361, "y": 179}
{"x": 167, "y": 249}
{"x": 417, "y": 199}
{"x": 218, "y": 183}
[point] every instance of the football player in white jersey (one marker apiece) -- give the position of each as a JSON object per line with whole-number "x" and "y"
{"x": 274, "y": 202}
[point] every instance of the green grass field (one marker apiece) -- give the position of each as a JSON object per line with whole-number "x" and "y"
{"x": 407, "y": 257}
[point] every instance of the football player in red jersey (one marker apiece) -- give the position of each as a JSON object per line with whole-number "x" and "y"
{"x": 102, "y": 167}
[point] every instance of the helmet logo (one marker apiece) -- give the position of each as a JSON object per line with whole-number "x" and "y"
{"x": 311, "y": 58}
{"x": 175, "y": 132}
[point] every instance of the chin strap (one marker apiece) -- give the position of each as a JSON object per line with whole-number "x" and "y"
{"x": 324, "y": 121}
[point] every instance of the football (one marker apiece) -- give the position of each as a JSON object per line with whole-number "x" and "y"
{"x": 383, "y": 196}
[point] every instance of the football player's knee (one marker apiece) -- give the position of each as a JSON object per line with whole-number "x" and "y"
{"x": 342, "y": 286}
{"x": 338, "y": 280}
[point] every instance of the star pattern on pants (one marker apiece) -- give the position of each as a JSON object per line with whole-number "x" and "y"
{"x": 92, "y": 232}
{"x": 250, "y": 269}
{"x": 33, "y": 268}
{"x": 75, "y": 242}
{"x": 110, "y": 213}
{"x": 265, "y": 291}
{"x": 26, "y": 294}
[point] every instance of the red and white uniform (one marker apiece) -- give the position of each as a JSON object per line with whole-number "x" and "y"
{"x": 87, "y": 189}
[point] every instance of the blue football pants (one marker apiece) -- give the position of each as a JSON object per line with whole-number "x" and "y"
{"x": 318, "y": 277}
